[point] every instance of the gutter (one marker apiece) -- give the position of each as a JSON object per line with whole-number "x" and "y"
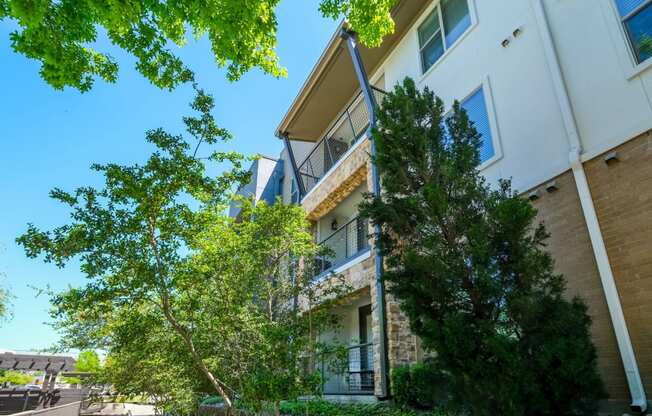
{"x": 636, "y": 389}
{"x": 370, "y": 102}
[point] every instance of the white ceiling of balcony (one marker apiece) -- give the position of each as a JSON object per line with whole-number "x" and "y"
{"x": 332, "y": 82}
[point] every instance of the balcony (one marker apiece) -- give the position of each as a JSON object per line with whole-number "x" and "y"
{"x": 349, "y": 127}
{"x": 349, "y": 374}
{"x": 346, "y": 243}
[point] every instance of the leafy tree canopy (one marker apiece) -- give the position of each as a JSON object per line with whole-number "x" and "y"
{"x": 4, "y": 303}
{"x": 370, "y": 18}
{"x": 15, "y": 378}
{"x": 468, "y": 264}
{"x": 133, "y": 236}
{"x": 184, "y": 299}
{"x": 88, "y": 362}
{"x": 62, "y": 35}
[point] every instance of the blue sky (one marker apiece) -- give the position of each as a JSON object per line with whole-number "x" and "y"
{"x": 49, "y": 138}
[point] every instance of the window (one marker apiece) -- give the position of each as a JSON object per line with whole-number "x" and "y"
{"x": 636, "y": 16}
{"x": 279, "y": 186}
{"x": 441, "y": 29}
{"x": 476, "y": 107}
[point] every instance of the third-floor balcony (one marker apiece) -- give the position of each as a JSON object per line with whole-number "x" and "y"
{"x": 347, "y": 129}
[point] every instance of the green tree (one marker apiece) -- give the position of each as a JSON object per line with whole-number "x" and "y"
{"x": 88, "y": 362}
{"x": 132, "y": 235}
{"x": 238, "y": 293}
{"x": 370, "y": 18}
{"x": 467, "y": 263}
{"x": 15, "y": 378}
{"x": 4, "y": 304}
{"x": 62, "y": 35}
{"x": 271, "y": 287}
{"x": 175, "y": 286}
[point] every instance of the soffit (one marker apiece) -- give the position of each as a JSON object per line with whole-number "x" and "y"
{"x": 332, "y": 83}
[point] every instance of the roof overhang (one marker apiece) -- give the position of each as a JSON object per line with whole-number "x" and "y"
{"x": 333, "y": 83}
{"x": 36, "y": 362}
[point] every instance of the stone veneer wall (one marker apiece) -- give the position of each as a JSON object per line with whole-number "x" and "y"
{"x": 622, "y": 194}
{"x": 339, "y": 183}
{"x": 402, "y": 345}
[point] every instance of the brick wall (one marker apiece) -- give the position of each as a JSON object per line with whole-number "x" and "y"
{"x": 622, "y": 194}
{"x": 571, "y": 248}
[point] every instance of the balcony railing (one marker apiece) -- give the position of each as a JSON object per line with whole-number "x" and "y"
{"x": 352, "y": 373}
{"x": 348, "y": 128}
{"x": 344, "y": 244}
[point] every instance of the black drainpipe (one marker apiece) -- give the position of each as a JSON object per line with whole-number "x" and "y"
{"x": 370, "y": 102}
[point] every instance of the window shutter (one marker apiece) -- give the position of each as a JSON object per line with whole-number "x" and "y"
{"x": 476, "y": 108}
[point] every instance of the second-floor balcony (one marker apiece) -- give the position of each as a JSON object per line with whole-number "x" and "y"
{"x": 346, "y": 243}
{"x": 349, "y": 127}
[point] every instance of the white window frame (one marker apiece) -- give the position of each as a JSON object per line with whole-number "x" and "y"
{"x": 485, "y": 86}
{"x": 628, "y": 61}
{"x": 623, "y": 23}
{"x": 435, "y": 8}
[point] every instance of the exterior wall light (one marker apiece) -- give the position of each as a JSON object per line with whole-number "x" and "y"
{"x": 534, "y": 195}
{"x": 611, "y": 157}
{"x": 551, "y": 186}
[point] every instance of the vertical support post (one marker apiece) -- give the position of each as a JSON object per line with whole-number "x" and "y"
{"x": 370, "y": 102}
{"x": 295, "y": 169}
{"x": 26, "y": 401}
{"x": 355, "y": 135}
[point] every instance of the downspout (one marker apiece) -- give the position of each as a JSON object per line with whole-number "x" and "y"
{"x": 370, "y": 102}
{"x": 637, "y": 392}
{"x": 293, "y": 162}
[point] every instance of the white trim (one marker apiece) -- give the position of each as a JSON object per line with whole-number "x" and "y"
{"x": 359, "y": 258}
{"x": 355, "y": 260}
{"x": 47, "y": 409}
{"x": 639, "y": 69}
{"x": 493, "y": 125}
{"x": 348, "y": 153}
{"x": 627, "y": 355}
{"x": 626, "y": 55}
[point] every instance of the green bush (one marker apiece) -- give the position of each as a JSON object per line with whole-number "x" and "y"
{"x": 324, "y": 408}
{"x": 420, "y": 386}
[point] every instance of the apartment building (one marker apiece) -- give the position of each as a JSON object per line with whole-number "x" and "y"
{"x": 265, "y": 183}
{"x": 561, "y": 91}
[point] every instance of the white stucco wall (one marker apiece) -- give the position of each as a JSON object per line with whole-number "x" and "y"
{"x": 529, "y": 137}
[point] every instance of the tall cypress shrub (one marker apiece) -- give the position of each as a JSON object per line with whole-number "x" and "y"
{"x": 467, "y": 262}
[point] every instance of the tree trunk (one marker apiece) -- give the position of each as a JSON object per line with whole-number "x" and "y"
{"x": 165, "y": 306}
{"x": 217, "y": 385}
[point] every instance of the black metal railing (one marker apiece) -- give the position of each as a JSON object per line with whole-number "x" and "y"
{"x": 346, "y": 243}
{"x": 349, "y": 373}
{"x": 348, "y": 128}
